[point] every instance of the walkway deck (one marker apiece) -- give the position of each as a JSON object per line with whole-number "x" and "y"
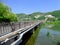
{"x": 28, "y": 26}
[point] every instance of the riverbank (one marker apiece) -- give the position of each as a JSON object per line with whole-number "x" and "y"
{"x": 53, "y": 25}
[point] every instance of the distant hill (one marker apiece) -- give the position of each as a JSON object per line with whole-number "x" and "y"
{"x": 55, "y": 13}
{"x": 38, "y": 15}
{"x": 23, "y": 17}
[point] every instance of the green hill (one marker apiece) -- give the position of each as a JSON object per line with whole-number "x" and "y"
{"x": 55, "y": 13}
{"x": 23, "y": 17}
{"x": 38, "y": 15}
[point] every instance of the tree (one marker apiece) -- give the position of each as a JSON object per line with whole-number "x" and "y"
{"x": 6, "y": 14}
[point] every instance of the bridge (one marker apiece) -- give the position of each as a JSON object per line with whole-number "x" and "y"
{"x": 15, "y": 33}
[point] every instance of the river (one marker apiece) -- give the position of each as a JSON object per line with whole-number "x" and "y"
{"x": 45, "y": 36}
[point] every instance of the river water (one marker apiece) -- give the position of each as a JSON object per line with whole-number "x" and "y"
{"x": 45, "y": 36}
{"x": 43, "y": 39}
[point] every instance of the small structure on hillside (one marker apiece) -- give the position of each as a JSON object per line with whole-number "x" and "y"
{"x": 49, "y": 18}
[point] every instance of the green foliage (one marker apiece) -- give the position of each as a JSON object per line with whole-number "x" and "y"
{"x": 6, "y": 14}
{"x": 48, "y": 34}
{"x": 55, "y": 13}
{"x": 40, "y": 18}
{"x": 35, "y": 14}
{"x": 56, "y": 25}
{"x": 23, "y": 17}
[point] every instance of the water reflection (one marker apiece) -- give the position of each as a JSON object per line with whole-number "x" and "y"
{"x": 46, "y": 36}
{"x": 43, "y": 39}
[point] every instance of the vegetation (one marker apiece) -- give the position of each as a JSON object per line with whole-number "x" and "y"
{"x": 55, "y": 13}
{"x": 48, "y": 34}
{"x": 56, "y": 25}
{"x": 22, "y": 16}
{"x": 6, "y": 14}
{"x": 32, "y": 39}
{"x": 59, "y": 41}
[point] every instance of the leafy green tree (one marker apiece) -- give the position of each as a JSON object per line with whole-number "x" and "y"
{"x": 6, "y": 14}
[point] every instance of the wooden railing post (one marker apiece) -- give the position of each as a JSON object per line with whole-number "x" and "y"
{"x": 19, "y": 25}
{"x": 12, "y": 27}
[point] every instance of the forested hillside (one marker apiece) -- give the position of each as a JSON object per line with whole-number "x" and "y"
{"x": 39, "y": 15}
{"x": 55, "y": 13}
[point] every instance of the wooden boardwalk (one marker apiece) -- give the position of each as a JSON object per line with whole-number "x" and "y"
{"x": 17, "y": 29}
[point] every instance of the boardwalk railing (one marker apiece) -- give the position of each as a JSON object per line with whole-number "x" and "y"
{"x": 6, "y": 28}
